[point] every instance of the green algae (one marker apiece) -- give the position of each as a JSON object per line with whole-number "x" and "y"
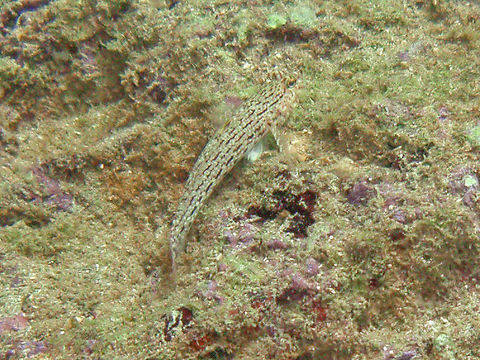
{"x": 274, "y": 21}
{"x": 303, "y": 16}
{"x": 474, "y": 136}
{"x": 109, "y": 103}
{"x": 470, "y": 181}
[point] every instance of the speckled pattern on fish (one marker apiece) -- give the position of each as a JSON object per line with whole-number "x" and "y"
{"x": 255, "y": 118}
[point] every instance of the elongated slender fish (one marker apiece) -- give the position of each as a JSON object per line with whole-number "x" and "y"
{"x": 255, "y": 118}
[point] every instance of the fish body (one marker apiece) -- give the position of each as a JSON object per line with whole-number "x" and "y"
{"x": 254, "y": 119}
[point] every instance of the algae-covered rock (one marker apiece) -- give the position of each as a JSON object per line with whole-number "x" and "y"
{"x": 365, "y": 247}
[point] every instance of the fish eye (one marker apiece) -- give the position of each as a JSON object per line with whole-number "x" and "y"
{"x": 290, "y": 82}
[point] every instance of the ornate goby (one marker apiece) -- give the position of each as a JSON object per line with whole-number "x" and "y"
{"x": 253, "y": 120}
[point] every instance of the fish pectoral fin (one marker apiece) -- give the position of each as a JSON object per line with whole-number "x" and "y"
{"x": 254, "y": 153}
